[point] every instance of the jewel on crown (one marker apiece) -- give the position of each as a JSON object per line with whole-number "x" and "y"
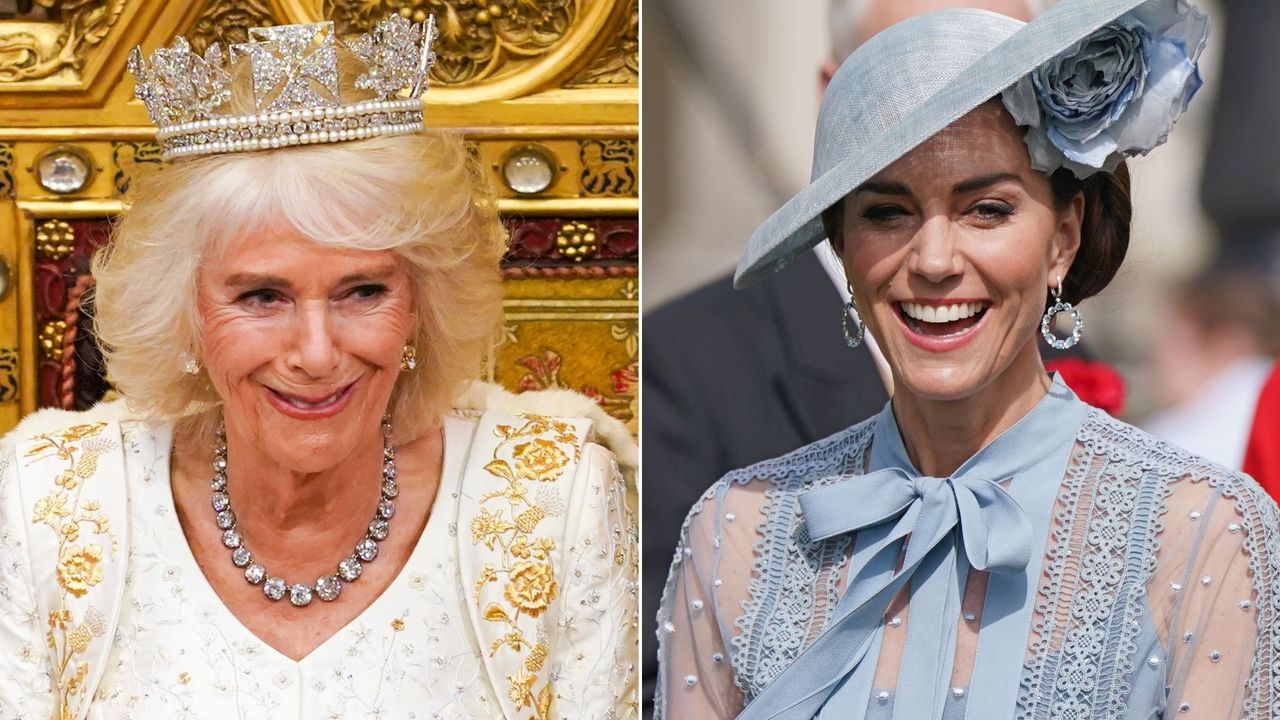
{"x": 296, "y": 92}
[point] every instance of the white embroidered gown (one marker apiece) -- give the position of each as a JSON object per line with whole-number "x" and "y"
{"x": 416, "y": 652}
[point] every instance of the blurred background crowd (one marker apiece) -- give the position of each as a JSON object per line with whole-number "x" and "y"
{"x": 1180, "y": 344}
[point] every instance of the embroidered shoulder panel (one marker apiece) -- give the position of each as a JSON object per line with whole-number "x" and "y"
{"x": 75, "y": 478}
{"x": 511, "y": 522}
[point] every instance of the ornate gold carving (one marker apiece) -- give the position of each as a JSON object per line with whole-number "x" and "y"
{"x": 479, "y": 39}
{"x": 51, "y": 337}
{"x": 24, "y": 57}
{"x": 574, "y": 333}
{"x": 608, "y": 167}
{"x": 228, "y": 21}
{"x": 576, "y": 240}
{"x": 127, "y": 155}
{"x": 9, "y": 374}
{"x": 6, "y": 170}
{"x": 619, "y": 64}
{"x": 28, "y": 10}
{"x": 55, "y": 240}
{"x": 629, "y": 336}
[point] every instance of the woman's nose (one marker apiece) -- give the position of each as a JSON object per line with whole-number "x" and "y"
{"x": 934, "y": 254}
{"x": 314, "y": 349}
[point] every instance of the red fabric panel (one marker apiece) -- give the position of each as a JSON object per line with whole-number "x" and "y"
{"x": 1262, "y": 456}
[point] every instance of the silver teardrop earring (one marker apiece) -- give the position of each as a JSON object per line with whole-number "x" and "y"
{"x": 1061, "y": 306}
{"x": 849, "y": 313}
{"x": 408, "y": 358}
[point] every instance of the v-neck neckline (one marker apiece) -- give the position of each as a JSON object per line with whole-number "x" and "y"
{"x": 451, "y": 466}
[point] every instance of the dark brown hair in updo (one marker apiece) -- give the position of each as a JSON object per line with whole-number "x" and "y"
{"x": 1104, "y": 229}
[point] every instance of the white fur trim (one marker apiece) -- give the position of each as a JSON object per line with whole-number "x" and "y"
{"x": 612, "y": 433}
{"x": 49, "y": 419}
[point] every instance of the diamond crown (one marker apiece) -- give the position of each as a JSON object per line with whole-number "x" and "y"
{"x": 297, "y": 98}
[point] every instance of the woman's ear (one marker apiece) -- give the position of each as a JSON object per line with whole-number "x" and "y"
{"x": 1066, "y": 240}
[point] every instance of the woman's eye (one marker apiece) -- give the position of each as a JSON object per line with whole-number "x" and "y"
{"x": 992, "y": 210}
{"x": 367, "y": 292}
{"x": 261, "y": 298}
{"x": 884, "y": 213}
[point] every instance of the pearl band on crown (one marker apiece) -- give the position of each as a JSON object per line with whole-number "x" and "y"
{"x": 295, "y": 86}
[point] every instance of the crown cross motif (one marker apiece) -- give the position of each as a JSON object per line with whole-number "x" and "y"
{"x": 292, "y": 65}
{"x": 297, "y": 98}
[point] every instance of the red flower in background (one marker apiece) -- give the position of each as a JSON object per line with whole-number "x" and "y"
{"x": 625, "y": 379}
{"x": 1097, "y": 383}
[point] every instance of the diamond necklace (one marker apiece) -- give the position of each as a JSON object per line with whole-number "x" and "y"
{"x": 329, "y": 586}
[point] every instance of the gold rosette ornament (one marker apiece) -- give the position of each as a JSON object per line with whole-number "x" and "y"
{"x": 540, "y": 459}
{"x": 80, "y": 568}
{"x": 530, "y": 587}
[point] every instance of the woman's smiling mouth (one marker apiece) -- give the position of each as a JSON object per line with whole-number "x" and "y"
{"x": 311, "y": 407}
{"x": 940, "y": 326}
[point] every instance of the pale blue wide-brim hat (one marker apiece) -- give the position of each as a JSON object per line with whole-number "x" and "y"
{"x": 911, "y": 81}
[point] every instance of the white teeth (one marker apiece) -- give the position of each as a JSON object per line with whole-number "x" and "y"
{"x": 304, "y": 405}
{"x": 942, "y": 313}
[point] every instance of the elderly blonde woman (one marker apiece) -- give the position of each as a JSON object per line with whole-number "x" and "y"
{"x": 988, "y": 546}
{"x": 298, "y": 512}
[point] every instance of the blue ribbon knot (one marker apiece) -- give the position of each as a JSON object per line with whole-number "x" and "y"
{"x": 930, "y": 514}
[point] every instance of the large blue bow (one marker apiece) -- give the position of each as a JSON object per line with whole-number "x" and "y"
{"x": 996, "y": 536}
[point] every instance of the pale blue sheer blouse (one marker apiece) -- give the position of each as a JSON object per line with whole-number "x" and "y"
{"x": 1073, "y": 568}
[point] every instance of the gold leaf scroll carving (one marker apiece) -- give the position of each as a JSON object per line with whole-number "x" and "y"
{"x": 478, "y": 39}
{"x": 227, "y": 22}
{"x": 619, "y": 64}
{"x": 24, "y": 57}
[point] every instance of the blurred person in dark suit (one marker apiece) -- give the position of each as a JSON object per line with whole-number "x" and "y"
{"x": 732, "y": 377}
{"x": 1240, "y": 186}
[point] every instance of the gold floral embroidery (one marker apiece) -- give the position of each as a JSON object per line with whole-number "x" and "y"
{"x": 537, "y": 656}
{"x": 528, "y": 520}
{"x": 521, "y": 686}
{"x": 539, "y": 450}
{"x": 71, "y": 516}
{"x": 80, "y": 568}
{"x": 488, "y": 528}
{"x": 540, "y": 459}
{"x": 530, "y": 587}
{"x": 51, "y": 509}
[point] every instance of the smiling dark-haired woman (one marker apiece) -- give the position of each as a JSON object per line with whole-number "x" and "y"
{"x": 989, "y": 546}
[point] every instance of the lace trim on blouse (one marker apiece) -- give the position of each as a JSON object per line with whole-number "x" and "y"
{"x": 1082, "y": 653}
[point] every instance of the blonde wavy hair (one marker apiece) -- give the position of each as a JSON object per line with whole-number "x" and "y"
{"x": 422, "y": 196}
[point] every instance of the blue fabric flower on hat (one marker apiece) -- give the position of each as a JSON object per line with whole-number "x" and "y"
{"x": 1114, "y": 94}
